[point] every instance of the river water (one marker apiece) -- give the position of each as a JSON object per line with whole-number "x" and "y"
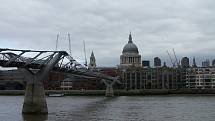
{"x": 122, "y": 108}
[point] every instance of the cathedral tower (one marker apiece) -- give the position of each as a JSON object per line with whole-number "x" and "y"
{"x": 92, "y": 64}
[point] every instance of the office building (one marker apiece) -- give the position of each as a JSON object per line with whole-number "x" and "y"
{"x": 185, "y": 62}
{"x": 145, "y": 63}
{"x": 157, "y": 62}
{"x": 206, "y": 63}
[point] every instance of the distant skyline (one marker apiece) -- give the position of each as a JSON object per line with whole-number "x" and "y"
{"x": 156, "y": 26}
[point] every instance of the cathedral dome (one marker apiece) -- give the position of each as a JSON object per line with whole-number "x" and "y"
{"x": 130, "y": 47}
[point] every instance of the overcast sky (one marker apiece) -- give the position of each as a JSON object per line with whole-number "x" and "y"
{"x": 188, "y": 26}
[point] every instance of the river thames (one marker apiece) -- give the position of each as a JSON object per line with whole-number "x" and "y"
{"x": 122, "y": 108}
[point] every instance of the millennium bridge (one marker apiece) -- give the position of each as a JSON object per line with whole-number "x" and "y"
{"x": 37, "y": 64}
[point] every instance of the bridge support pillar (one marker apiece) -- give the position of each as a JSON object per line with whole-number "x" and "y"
{"x": 109, "y": 90}
{"x": 34, "y": 101}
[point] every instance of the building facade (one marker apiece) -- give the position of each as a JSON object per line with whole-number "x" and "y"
{"x": 200, "y": 77}
{"x": 151, "y": 78}
{"x": 12, "y": 80}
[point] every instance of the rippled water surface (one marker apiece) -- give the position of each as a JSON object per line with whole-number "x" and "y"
{"x": 123, "y": 108}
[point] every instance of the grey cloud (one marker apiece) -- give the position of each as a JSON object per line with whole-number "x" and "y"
{"x": 156, "y": 25}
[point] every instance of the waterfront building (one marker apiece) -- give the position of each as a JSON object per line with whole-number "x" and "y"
{"x": 185, "y": 62}
{"x": 151, "y": 78}
{"x": 111, "y": 71}
{"x": 11, "y": 80}
{"x": 200, "y": 77}
{"x": 79, "y": 83}
{"x": 16, "y": 80}
{"x": 53, "y": 82}
{"x": 130, "y": 55}
{"x": 66, "y": 84}
{"x": 157, "y": 62}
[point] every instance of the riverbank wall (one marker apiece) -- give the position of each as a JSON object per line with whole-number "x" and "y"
{"x": 116, "y": 92}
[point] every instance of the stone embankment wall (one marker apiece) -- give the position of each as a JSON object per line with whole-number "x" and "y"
{"x": 116, "y": 92}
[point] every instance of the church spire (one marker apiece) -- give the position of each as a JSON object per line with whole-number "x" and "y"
{"x": 130, "y": 38}
{"x": 92, "y": 64}
{"x": 92, "y": 54}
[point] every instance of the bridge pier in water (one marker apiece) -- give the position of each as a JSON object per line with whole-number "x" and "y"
{"x": 34, "y": 101}
{"x": 109, "y": 90}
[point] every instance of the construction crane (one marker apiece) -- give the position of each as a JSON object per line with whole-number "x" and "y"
{"x": 173, "y": 64}
{"x": 176, "y": 60}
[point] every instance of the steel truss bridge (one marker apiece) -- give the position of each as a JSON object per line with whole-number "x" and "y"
{"x": 37, "y": 64}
